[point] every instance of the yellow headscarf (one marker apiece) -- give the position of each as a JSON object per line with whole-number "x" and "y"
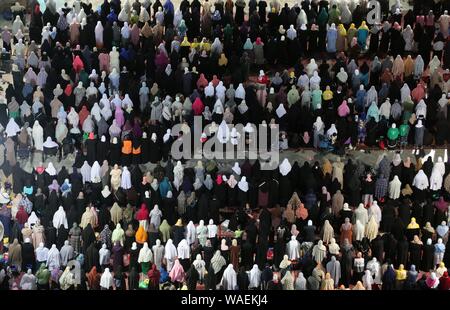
{"x": 223, "y": 61}
{"x": 327, "y": 94}
{"x": 413, "y": 224}
{"x": 363, "y": 26}
{"x": 400, "y": 273}
{"x": 342, "y": 30}
{"x": 352, "y": 26}
{"x": 185, "y": 42}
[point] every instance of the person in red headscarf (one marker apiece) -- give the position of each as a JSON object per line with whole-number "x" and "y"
{"x": 153, "y": 278}
{"x": 444, "y": 282}
{"x": 198, "y": 106}
{"x": 77, "y": 64}
{"x": 143, "y": 216}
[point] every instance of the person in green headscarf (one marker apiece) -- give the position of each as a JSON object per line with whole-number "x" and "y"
{"x": 43, "y": 277}
{"x": 334, "y": 15}
{"x": 404, "y": 132}
{"x": 392, "y": 135}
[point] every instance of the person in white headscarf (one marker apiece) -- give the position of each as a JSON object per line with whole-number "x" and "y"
{"x": 436, "y": 179}
{"x": 106, "y": 280}
{"x": 395, "y": 188}
{"x": 49, "y": 145}
{"x": 292, "y": 248}
{"x": 358, "y": 230}
{"x": 158, "y": 253}
{"x": 223, "y": 133}
{"x": 319, "y": 252}
{"x": 59, "y": 218}
{"x": 229, "y": 278}
{"x": 240, "y": 92}
{"x": 28, "y": 281}
{"x": 38, "y": 136}
{"x": 254, "y": 277}
{"x": 12, "y": 129}
{"x": 236, "y": 169}
{"x": 66, "y": 253}
{"x": 170, "y": 253}
{"x": 145, "y": 254}
{"x": 212, "y": 229}
{"x": 375, "y": 270}
{"x": 155, "y": 216}
{"x": 41, "y": 253}
{"x": 118, "y": 234}
{"x": 125, "y": 181}
{"x": 311, "y": 67}
{"x": 367, "y": 280}
{"x": 285, "y": 167}
{"x": 375, "y": 210}
{"x": 85, "y": 171}
{"x": 420, "y": 180}
{"x": 53, "y": 258}
{"x": 104, "y": 255}
{"x": 371, "y": 228}
{"x": 361, "y": 214}
{"x": 300, "y": 282}
{"x": 191, "y": 235}
{"x": 183, "y": 250}
{"x": 202, "y": 233}
{"x": 199, "y": 265}
{"x": 95, "y": 173}
{"x": 319, "y": 128}
{"x": 178, "y": 173}
{"x": 99, "y": 34}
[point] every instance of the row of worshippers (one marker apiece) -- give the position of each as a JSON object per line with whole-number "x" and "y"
{"x": 387, "y": 227}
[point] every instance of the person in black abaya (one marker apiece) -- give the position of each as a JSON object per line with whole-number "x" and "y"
{"x": 388, "y": 216}
{"x": 402, "y": 251}
{"x": 261, "y": 252}
{"x": 28, "y": 257}
{"x": 378, "y": 248}
{"x": 62, "y": 235}
{"x": 265, "y": 223}
{"x": 214, "y": 207}
{"x": 168, "y": 209}
{"x": 242, "y": 279}
{"x": 92, "y": 257}
{"x": 88, "y": 237}
{"x": 192, "y": 278}
{"x": 210, "y": 279}
{"x": 247, "y": 254}
{"x": 427, "y": 257}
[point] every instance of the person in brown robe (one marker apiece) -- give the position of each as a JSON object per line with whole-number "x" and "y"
{"x": 235, "y": 249}
{"x": 346, "y": 231}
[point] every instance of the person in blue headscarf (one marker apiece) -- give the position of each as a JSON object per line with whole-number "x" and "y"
{"x": 331, "y": 39}
{"x": 164, "y": 187}
{"x": 112, "y": 16}
{"x": 168, "y": 7}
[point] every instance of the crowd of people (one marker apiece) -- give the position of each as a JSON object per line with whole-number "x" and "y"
{"x": 98, "y": 90}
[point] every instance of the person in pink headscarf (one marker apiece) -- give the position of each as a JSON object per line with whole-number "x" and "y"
{"x": 177, "y": 273}
{"x": 343, "y": 109}
{"x": 118, "y": 115}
